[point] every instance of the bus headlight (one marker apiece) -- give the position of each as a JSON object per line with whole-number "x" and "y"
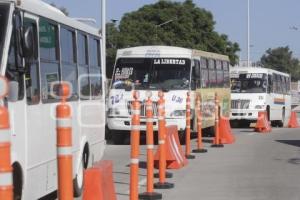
{"x": 113, "y": 112}
{"x": 178, "y": 113}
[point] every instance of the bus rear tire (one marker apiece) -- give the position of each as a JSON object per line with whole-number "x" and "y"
{"x": 79, "y": 179}
{"x": 282, "y": 121}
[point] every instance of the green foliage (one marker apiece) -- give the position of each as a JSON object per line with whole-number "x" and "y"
{"x": 190, "y": 27}
{"x": 282, "y": 59}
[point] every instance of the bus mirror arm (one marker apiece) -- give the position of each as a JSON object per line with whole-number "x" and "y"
{"x": 13, "y": 91}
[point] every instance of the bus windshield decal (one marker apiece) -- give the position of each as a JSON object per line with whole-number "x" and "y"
{"x": 163, "y": 61}
{"x": 123, "y": 72}
{"x": 254, "y": 75}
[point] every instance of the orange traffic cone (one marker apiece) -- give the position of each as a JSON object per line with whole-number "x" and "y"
{"x": 226, "y": 135}
{"x": 293, "y": 122}
{"x": 262, "y": 124}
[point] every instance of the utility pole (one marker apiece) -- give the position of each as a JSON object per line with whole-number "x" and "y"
{"x": 103, "y": 32}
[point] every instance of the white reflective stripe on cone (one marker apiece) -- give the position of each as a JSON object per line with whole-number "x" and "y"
{"x": 136, "y": 112}
{"x": 160, "y": 107}
{"x": 161, "y": 142}
{"x": 161, "y": 118}
{"x": 134, "y": 161}
{"x": 188, "y": 126}
{"x": 64, "y": 151}
{"x": 6, "y": 179}
{"x": 188, "y": 103}
{"x": 135, "y": 127}
{"x": 149, "y": 120}
{"x": 4, "y": 135}
{"x": 150, "y": 146}
{"x": 63, "y": 122}
{"x": 148, "y": 107}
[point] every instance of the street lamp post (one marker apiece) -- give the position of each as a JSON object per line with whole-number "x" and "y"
{"x": 248, "y": 33}
{"x": 160, "y": 25}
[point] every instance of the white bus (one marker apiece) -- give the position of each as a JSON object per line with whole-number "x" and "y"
{"x": 174, "y": 70}
{"x": 255, "y": 89}
{"x": 39, "y": 46}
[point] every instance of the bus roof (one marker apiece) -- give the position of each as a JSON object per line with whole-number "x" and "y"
{"x": 43, "y": 9}
{"x": 166, "y": 51}
{"x": 256, "y": 70}
{"x": 205, "y": 54}
{"x": 155, "y": 51}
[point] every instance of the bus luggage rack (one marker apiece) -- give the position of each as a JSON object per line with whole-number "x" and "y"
{"x": 143, "y": 108}
{"x": 240, "y": 104}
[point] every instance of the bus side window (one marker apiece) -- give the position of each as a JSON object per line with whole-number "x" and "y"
{"x": 83, "y": 67}
{"x": 95, "y": 68}
{"x": 32, "y": 74}
{"x": 226, "y": 74}
{"x": 212, "y": 73}
{"x": 220, "y": 74}
{"x": 196, "y": 83}
{"x": 270, "y": 83}
{"x": 49, "y": 56}
{"x": 68, "y": 59}
{"x": 204, "y": 73}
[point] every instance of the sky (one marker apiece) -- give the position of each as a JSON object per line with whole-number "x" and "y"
{"x": 271, "y": 20}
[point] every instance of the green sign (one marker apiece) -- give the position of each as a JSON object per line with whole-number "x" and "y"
{"x": 47, "y": 35}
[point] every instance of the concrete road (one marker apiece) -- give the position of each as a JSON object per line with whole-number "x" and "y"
{"x": 256, "y": 167}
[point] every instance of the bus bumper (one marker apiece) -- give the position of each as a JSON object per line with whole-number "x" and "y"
{"x": 124, "y": 124}
{"x": 244, "y": 114}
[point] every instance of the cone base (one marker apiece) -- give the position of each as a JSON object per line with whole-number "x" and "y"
{"x": 150, "y": 196}
{"x": 165, "y": 185}
{"x": 190, "y": 157}
{"x": 200, "y": 151}
{"x": 168, "y": 175}
{"x": 217, "y": 146}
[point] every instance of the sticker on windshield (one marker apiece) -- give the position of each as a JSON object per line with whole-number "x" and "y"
{"x": 164, "y": 61}
{"x": 123, "y": 73}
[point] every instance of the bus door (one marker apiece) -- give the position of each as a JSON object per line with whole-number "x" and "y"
{"x": 17, "y": 108}
{"x": 40, "y": 143}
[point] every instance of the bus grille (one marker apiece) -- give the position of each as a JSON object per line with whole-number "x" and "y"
{"x": 240, "y": 104}
{"x": 143, "y": 108}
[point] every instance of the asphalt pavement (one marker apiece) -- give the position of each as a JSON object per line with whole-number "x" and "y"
{"x": 256, "y": 167}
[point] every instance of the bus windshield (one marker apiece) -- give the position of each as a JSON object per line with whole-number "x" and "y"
{"x": 152, "y": 73}
{"x": 170, "y": 74}
{"x": 4, "y": 10}
{"x": 249, "y": 83}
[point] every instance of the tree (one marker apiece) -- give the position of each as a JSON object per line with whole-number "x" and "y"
{"x": 191, "y": 27}
{"x": 62, "y": 9}
{"x": 281, "y": 59}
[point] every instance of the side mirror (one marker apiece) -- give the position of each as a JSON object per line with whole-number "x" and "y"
{"x": 28, "y": 43}
{"x": 13, "y": 92}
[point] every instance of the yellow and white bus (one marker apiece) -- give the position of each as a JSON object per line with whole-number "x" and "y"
{"x": 39, "y": 46}
{"x": 174, "y": 70}
{"x": 255, "y": 89}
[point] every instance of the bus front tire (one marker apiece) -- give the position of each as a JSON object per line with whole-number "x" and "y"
{"x": 17, "y": 181}
{"x": 118, "y": 137}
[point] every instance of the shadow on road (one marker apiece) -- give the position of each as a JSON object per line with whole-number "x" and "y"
{"x": 295, "y": 143}
{"x": 295, "y": 161}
